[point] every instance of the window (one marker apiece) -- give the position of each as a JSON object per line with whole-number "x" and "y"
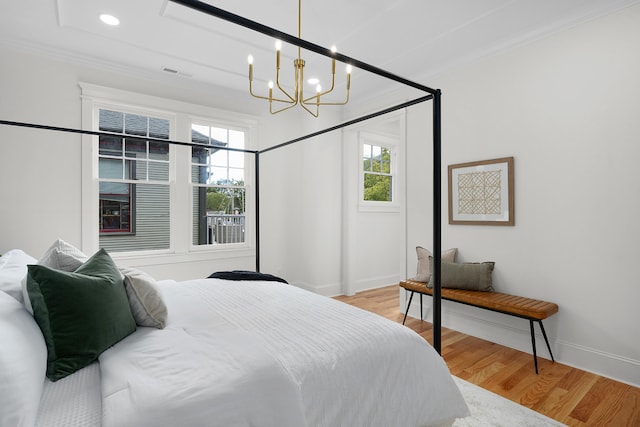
{"x": 133, "y": 182}
{"x": 218, "y": 181}
{"x": 152, "y": 202}
{"x": 377, "y": 176}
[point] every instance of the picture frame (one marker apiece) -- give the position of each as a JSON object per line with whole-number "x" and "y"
{"x": 482, "y": 192}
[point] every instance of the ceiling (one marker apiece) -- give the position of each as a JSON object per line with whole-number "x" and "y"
{"x": 415, "y": 39}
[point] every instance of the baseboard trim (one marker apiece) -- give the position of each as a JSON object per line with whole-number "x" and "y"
{"x": 327, "y": 290}
{"x": 376, "y": 282}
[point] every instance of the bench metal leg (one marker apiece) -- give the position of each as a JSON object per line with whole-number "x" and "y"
{"x": 407, "y": 310}
{"x": 544, "y": 334}
{"x": 533, "y": 343}
{"x": 421, "y": 316}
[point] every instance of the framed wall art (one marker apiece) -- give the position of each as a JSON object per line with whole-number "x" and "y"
{"x": 481, "y": 193}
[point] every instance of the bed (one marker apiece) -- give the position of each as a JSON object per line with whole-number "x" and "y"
{"x": 228, "y": 353}
{"x": 222, "y": 353}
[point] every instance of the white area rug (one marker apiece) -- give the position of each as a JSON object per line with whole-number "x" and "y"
{"x": 490, "y": 410}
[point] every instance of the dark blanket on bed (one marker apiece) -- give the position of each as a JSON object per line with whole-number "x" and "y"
{"x": 245, "y": 275}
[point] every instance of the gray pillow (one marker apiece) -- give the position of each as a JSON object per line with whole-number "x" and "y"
{"x": 424, "y": 263}
{"x": 147, "y": 306}
{"x": 472, "y": 276}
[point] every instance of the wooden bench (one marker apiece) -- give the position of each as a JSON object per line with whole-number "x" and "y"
{"x": 525, "y": 308}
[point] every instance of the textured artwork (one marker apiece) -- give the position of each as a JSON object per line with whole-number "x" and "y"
{"x": 481, "y": 193}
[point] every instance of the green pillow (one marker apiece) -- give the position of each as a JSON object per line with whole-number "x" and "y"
{"x": 80, "y": 313}
{"x": 473, "y": 276}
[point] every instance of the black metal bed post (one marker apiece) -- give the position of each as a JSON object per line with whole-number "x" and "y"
{"x": 257, "y": 181}
{"x": 437, "y": 221}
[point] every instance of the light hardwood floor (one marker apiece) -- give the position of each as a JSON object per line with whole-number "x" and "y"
{"x": 569, "y": 395}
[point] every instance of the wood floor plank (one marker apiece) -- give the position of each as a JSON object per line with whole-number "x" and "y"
{"x": 567, "y": 394}
{"x": 571, "y": 396}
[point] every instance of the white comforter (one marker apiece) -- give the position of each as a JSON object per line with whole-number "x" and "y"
{"x": 270, "y": 354}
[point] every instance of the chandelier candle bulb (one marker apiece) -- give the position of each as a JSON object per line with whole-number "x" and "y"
{"x": 334, "y": 49}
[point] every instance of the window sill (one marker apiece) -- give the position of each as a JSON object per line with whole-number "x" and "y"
{"x": 380, "y": 207}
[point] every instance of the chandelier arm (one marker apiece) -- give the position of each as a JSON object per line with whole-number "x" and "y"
{"x": 346, "y": 101}
{"x": 313, "y": 97}
{"x": 328, "y": 103}
{"x": 266, "y": 97}
{"x": 316, "y": 114}
{"x": 282, "y": 109}
{"x": 321, "y": 94}
{"x": 291, "y": 98}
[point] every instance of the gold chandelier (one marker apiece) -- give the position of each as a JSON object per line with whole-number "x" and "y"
{"x": 311, "y": 103}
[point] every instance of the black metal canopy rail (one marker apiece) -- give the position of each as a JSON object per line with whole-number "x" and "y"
{"x": 434, "y": 94}
{"x": 258, "y": 27}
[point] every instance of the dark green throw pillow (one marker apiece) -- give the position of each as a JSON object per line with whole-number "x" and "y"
{"x": 472, "y": 276}
{"x": 80, "y": 313}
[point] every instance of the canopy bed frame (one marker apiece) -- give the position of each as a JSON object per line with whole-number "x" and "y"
{"x": 432, "y": 95}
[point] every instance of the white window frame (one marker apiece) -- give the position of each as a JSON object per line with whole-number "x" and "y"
{"x": 180, "y": 115}
{"x": 248, "y": 186}
{"x": 392, "y": 144}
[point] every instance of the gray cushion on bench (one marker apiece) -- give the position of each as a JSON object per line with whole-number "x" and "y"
{"x": 424, "y": 262}
{"x": 473, "y": 276}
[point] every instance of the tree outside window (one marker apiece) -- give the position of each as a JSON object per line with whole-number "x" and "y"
{"x": 377, "y": 173}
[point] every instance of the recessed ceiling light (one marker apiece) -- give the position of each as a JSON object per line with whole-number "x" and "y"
{"x": 313, "y": 81}
{"x": 109, "y": 19}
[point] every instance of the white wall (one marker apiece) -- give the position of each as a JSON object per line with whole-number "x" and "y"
{"x": 41, "y": 174}
{"x": 40, "y": 170}
{"x": 567, "y": 109}
{"x": 301, "y": 195}
{"x": 373, "y": 236}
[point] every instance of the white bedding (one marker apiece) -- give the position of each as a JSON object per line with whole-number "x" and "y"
{"x": 73, "y": 401}
{"x": 270, "y": 354}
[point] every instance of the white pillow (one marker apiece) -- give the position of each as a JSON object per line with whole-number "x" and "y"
{"x": 23, "y": 363}
{"x": 63, "y": 256}
{"x": 60, "y": 256}
{"x": 13, "y": 269}
{"x": 424, "y": 268}
{"x": 145, "y": 298}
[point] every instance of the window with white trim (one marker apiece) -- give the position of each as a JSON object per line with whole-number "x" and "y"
{"x": 133, "y": 178}
{"x": 377, "y": 173}
{"x": 140, "y": 195}
{"x": 379, "y": 179}
{"x": 218, "y": 180}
